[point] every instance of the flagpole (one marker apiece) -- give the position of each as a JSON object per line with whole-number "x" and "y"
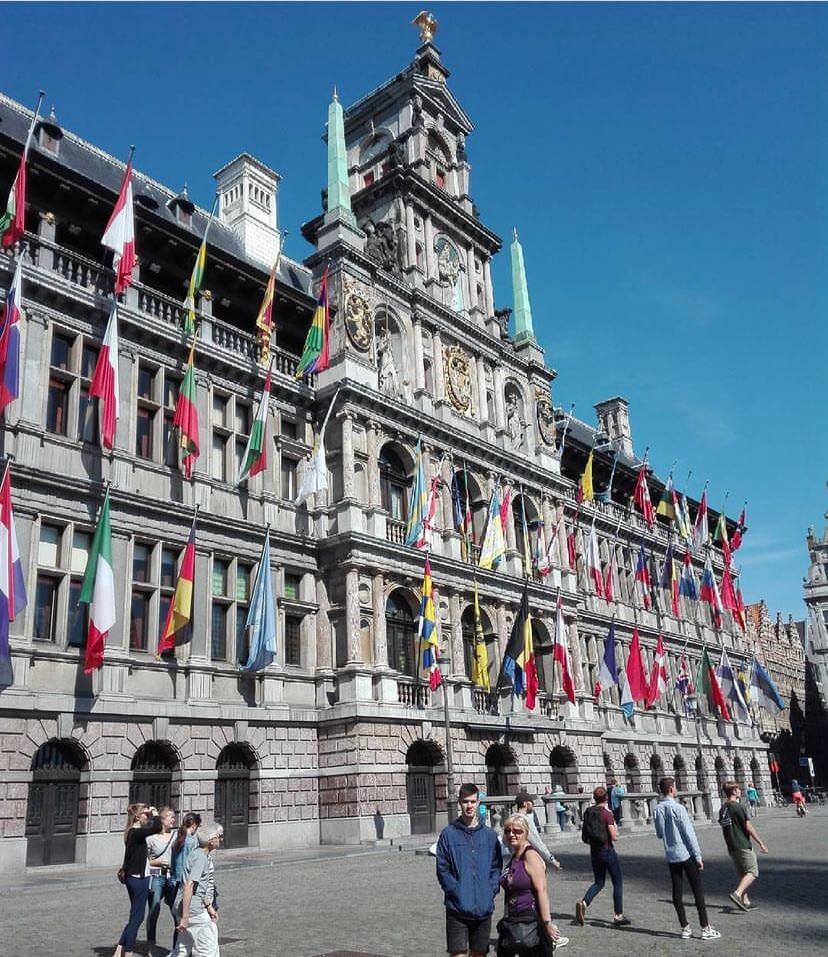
{"x": 32, "y": 125}
{"x": 565, "y": 430}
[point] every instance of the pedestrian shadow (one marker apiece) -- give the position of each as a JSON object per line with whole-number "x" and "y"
{"x": 630, "y": 928}
{"x": 711, "y": 905}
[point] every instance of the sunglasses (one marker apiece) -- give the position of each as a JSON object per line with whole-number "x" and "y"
{"x": 514, "y": 830}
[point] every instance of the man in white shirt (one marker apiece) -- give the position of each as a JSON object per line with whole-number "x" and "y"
{"x": 197, "y": 927}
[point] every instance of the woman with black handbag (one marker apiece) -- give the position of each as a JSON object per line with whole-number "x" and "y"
{"x": 142, "y": 821}
{"x": 527, "y": 928}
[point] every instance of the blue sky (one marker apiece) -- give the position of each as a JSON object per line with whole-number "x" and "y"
{"x": 666, "y": 165}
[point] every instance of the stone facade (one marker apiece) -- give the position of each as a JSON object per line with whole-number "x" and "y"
{"x": 338, "y": 740}
{"x": 814, "y": 632}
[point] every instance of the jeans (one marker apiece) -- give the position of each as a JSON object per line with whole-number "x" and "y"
{"x": 138, "y": 890}
{"x": 200, "y": 939}
{"x": 605, "y": 859}
{"x": 160, "y": 890}
{"x": 677, "y": 871}
{"x": 561, "y": 819}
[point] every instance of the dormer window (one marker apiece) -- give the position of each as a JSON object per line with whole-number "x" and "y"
{"x": 182, "y": 208}
{"x": 184, "y": 216}
{"x": 50, "y": 134}
{"x": 368, "y": 178}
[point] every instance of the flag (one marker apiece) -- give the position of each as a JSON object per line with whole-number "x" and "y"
{"x": 609, "y": 576}
{"x": 316, "y": 351}
{"x": 658, "y": 675}
{"x": 763, "y": 690}
{"x": 666, "y": 504}
{"x": 417, "y": 500}
{"x": 119, "y": 235}
{"x": 255, "y": 455}
{"x": 12, "y": 585}
{"x": 104, "y": 383}
{"x": 461, "y": 513}
{"x": 641, "y": 496}
{"x": 684, "y": 684}
{"x": 494, "y": 545}
{"x": 729, "y": 600}
{"x": 642, "y": 578}
{"x": 560, "y": 652}
{"x": 185, "y": 418}
{"x": 13, "y": 220}
{"x": 608, "y": 672}
{"x": 729, "y": 683}
{"x": 480, "y": 653}
{"x": 594, "y": 562}
{"x": 261, "y": 615}
{"x": 683, "y": 526}
{"x": 196, "y": 279}
{"x": 315, "y": 478}
{"x": 572, "y": 547}
{"x": 741, "y": 530}
{"x": 427, "y": 631}
{"x": 688, "y": 586}
{"x": 181, "y": 607}
{"x": 426, "y": 537}
{"x": 10, "y": 341}
{"x": 743, "y": 677}
{"x": 739, "y": 610}
{"x": 98, "y": 591}
{"x": 605, "y": 497}
{"x": 708, "y": 683}
{"x": 519, "y": 656}
{"x": 586, "y": 492}
{"x": 627, "y": 702}
{"x": 700, "y": 531}
{"x": 669, "y": 582}
{"x": 636, "y": 675}
{"x": 709, "y": 593}
{"x": 720, "y": 537}
{"x": 457, "y": 511}
{"x": 505, "y": 505}
{"x": 264, "y": 320}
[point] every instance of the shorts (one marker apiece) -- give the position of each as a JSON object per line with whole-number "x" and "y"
{"x": 467, "y": 934}
{"x": 745, "y": 862}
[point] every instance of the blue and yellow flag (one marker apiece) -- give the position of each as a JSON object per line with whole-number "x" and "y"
{"x": 427, "y": 639}
{"x": 417, "y": 501}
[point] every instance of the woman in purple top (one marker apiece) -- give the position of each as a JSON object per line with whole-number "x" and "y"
{"x": 524, "y": 882}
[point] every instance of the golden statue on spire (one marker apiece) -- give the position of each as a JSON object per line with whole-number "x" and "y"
{"x": 427, "y": 24}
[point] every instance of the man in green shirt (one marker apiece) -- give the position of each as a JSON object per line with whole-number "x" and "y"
{"x": 738, "y": 831}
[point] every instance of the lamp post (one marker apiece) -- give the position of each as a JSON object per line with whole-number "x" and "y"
{"x": 444, "y": 663}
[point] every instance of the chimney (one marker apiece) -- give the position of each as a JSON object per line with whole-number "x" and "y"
{"x": 247, "y": 204}
{"x": 614, "y": 422}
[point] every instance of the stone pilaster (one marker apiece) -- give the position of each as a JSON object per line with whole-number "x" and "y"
{"x": 373, "y": 477}
{"x": 380, "y": 638}
{"x": 439, "y": 382}
{"x": 352, "y": 615}
{"x": 347, "y": 423}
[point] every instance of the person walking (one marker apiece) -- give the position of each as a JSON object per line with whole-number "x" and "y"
{"x": 195, "y": 903}
{"x": 526, "y": 806}
{"x": 798, "y": 798}
{"x": 616, "y": 805}
{"x": 753, "y": 800}
{"x": 681, "y": 848}
{"x": 738, "y": 831}
{"x": 600, "y": 831}
{"x": 560, "y": 807}
{"x": 183, "y": 846}
{"x": 162, "y": 888}
{"x": 469, "y": 861}
{"x": 142, "y": 822}
{"x": 527, "y": 916}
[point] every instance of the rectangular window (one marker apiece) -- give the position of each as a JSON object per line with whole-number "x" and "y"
{"x": 61, "y": 357}
{"x": 143, "y": 433}
{"x": 77, "y": 624}
{"x": 218, "y": 470}
{"x": 293, "y": 643}
{"x": 169, "y": 567}
{"x": 146, "y": 382}
{"x": 145, "y": 439}
{"x": 81, "y": 544}
{"x": 292, "y": 583}
{"x": 139, "y": 621}
{"x": 440, "y": 178}
{"x": 220, "y": 572}
{"x": 368, "y": 178}
{"x": 141, "y": 563}
{"x": 218, "y": 633}
{"x": 48, "y": 552}
{"x": 57, "y": 406}
{"x": 288, "y": 474}
{"x": 87, "y": 413}
{"x": 46, "y": 596}
{"x": 289, "y": 428}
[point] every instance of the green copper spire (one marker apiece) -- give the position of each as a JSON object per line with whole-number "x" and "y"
{"x": 339, "y": 193}
{"x": 524, "y": 329}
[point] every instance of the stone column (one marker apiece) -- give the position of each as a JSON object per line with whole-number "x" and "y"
{"x": 575, "y": 654}
{"x": 428, "y": 232}
{"x": 502, "y": 635}
{"x": 46, "y": 230}
{"x": 352, "y": 615}
{"x": 347, "y": 422}
{"x": 500, "y": 406}
{"x": 483, "y": 412}
{"x": 439, "y": 383}
{"x": 380, "y": 639}
{"x": 471, "y": 282}
{"x": 487, "y": 277}
{"x": 373, "y": 440}
{"x": 456, "y": 627}
{"x": 410, "y": 234}
{"x": 34, "y": 374}
{"x": 419, "y": 368}
{"x": 323, "y": 627}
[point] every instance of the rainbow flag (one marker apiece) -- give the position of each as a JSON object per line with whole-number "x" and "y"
{"x": 427, "y": 631}
{"x": 315, "y": 355}
{"x": 181, "y": 606}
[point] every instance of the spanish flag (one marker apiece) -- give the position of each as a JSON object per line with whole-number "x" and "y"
{"x": 315, "y": 355}
{"x": 181, "y": 607}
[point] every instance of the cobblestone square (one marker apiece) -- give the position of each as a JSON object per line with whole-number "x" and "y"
{"x": 386, "y": 903}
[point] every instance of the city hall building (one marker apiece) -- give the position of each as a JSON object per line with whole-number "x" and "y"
{"x": 337, "y": 741}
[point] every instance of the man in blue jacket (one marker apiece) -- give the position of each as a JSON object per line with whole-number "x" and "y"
{"x": 469, "y": 862}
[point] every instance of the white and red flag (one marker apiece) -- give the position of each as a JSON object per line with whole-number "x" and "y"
{"x": 609, "y": 576}
{"x": 12, "y": 585}
{"x": 658, "y": 676}
{"x": 105, "y": 381}
{"x": 594, "y": 562}
{"x": 641, "y": 496}
{"x": 560, "y": 653}
{"x": 119, "y": 235}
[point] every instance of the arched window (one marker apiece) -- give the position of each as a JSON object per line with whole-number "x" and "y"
{"x": 564, "y": 768}
{"x": 469, "y": 639}
{"x": 232, "y": 793}
{"x": 755, "y": 773}
{"x": 739, "y": 773}
{"x": 501, "y": 770}
{"x": 656, "y": 771}
{"x": 52, "y": 807}
{"x": 632, "y": 773}
{"x": 525, "y": 518}
{"x": 721, "y": 774}
{"x": 701, "y": 774}
{"x": 680, "y": 772}
{"x": 394, "y": 485}
{"x": 609, "y": 771}
{"x": 152, "y": 768}
{"x": 401, "y": 632}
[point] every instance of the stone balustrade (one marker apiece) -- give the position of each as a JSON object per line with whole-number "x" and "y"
{"x": 413, "y": 694}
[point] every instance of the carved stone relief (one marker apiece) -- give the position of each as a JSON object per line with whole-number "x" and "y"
{"x": 458, "y": 378}
{"x": 515, "y": 419}
{"x": 546, "y": 417}
{"x": 358, "y": 323}
{"x": 388, "y": 377}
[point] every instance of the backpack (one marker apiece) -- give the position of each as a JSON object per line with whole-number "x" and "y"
{"x": 594, "y": 829}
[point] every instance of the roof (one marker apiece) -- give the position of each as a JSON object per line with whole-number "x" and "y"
{"x": 93, "y": 164}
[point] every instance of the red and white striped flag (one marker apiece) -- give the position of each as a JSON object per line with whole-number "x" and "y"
{"x": 642, "y": 496}
{"x": 594, "y": 562}
{"x": 609, "y": 576}
{"x": 119, "y": 235}
{"x": 560, "y": 653}
{"x": 658, "y": 676}
{"x": 105, "y": 381}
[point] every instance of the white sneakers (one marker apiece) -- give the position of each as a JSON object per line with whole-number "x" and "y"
{"x": 560, "y": 942}
{"x": 710, "y": 933}
{"x": 686, "y": 933}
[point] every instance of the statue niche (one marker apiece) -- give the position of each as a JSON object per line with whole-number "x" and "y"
{"x": 515, "y": 418}
{"x": 386, "y": 240}
{"x": 390, "y": 356}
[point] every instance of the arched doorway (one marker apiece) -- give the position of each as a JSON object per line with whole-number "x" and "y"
{"x": 701, "y": 774}
{"x": 632, "y": 773}
{"x": 52, "y": 807}
{"x": 232, "y": 795}
{"x": 400, "y": 632}
{"x": 501, "y": 770}
{"x": 739, "y": 773}
{"x": 755, "y": 773}
{"x": 152, "y": 774}
{"x": 564, "y": 768}
{"x": 680, "y": 772}
{"x": 721, "y": 774}
{"x": 609, "y": 771}
{"x": 422, "y": 759}
{"x": 656, "y": 771}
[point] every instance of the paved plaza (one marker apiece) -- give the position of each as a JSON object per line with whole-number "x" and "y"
{"x": 386, "y": 902}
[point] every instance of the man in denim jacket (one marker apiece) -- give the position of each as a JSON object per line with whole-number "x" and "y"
{"x": 469, "y": 862}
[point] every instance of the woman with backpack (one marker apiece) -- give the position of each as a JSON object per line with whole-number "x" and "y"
{"x": 600, "y": 831}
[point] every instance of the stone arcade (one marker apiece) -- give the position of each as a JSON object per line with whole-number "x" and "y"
{"x": 337, "y": 739}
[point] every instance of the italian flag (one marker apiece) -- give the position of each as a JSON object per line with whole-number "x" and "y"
{"x": 255, "y": 455}
{"x": 105, "y": 381}
{"x": 98, "y": 591}
{"x": 181, "y": 607}
{"x": 186, "y": 417}
{"x": 707, "y": 682}
{"x": 119, "y": 235}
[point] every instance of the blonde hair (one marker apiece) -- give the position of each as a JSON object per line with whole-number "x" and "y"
{"x": 519, "y": 819}
{"x": 134, "y": 811}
